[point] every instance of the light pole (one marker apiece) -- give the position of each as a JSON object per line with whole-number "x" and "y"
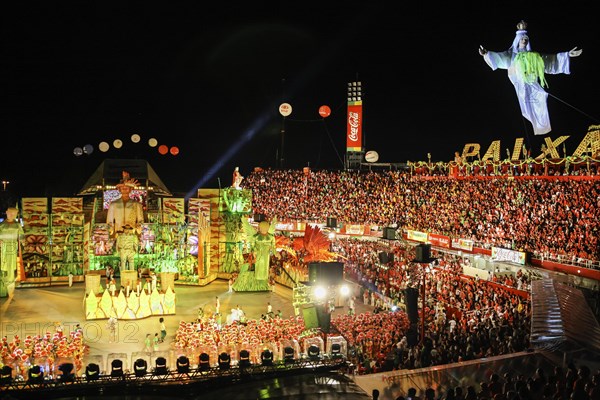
{"x": 422, "y": 256}
{"x": 285, "y": 110}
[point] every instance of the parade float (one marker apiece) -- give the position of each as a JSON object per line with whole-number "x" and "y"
{"x": 181, "y": 242}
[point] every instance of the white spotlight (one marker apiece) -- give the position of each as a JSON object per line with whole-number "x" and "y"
{"x": 320, "y": 292}
{"x": 344, "y": 290}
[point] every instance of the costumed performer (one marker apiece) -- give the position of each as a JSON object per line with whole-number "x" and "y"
{"x": 237, "y": 178}
{"x": 125, "y": 210}
{"x": 128, "y": 245}
{"x": 262, "y": 245}
{"x": 526, "y": 70}
{"x": 11, "y": 238}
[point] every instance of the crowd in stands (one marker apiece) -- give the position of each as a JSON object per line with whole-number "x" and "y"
{"x": 465, "y": 317}
{"x": 570, "y": 383}
{"x": 543, "y": 216}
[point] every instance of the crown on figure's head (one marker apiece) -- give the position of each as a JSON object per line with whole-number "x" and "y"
{"x": 522, "y": 25}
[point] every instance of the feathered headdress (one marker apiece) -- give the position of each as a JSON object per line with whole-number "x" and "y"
{"x": 126, "y": 180}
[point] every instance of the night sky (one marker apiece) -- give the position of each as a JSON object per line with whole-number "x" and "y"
{"x": 209, "y": 80}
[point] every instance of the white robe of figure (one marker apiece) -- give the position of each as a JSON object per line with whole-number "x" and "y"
{"x": 124, "y": 213}
{"x": 532, "y": 97}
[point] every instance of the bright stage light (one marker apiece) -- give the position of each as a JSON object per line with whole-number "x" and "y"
{"x": 244, "y": 359}
{"x": 5, "y": 375}
{"x": 140, "y": 367}
{"x": 314, "y": 352}
{"x": 204, "y": 364}
{"x": 183, "y": 364}
{"x": 344, "y": 290}
{"x": 266, "y": 357}
{"x": 288, "y": 354}
{"x": 116, "y": 368}
{"x": 36, "y": 374}
{"x": 224, "y": 361}
{"x": 160, "y": 366}
{"x": 320, "y": 292}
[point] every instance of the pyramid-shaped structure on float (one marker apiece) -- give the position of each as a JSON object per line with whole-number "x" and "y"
{"x": 110, "y": 173}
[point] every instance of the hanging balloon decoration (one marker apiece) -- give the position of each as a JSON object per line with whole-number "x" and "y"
{"x": 324, "y": 111}
{"x": 163, "y": 149}
{"x": 105, "y": 146}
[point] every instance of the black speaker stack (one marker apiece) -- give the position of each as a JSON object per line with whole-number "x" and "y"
{"x": 325, "y": 273}
{"x": 389, "y": 233}
{"x": 412, "y": 336}
{"x": 411, "y": 296}
{"x": 316, "y": 316}
{"x": 423, "y": 253}
{"x": 331, "y": 222}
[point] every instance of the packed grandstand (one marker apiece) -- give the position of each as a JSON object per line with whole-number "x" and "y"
{"x": 464, "y": 317}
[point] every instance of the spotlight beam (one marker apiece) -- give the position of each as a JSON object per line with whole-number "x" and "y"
{"x": 246, "y": 137}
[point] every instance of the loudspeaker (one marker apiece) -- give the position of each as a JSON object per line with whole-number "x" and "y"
{"x": 422, "y": 253}
{"x": 412, "y": 336}
{"x": 324, "y": 318}
{"x": 259, "y": 217}
{"x": 310, "y": 316}
{"x": 389, "y": 233}
{"x": 331, "y": 222}
{"x": 411, "y": 296}
{"x": 325, "y": 273}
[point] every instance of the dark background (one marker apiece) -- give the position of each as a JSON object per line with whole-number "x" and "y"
{"x": 209, "y": 79}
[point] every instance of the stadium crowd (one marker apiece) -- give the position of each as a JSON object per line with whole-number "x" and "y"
{"x": 545, "y": 216}
{"x": 573, "y": 383}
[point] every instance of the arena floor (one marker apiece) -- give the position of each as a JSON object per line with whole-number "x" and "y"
{"x": 36, "y": 310}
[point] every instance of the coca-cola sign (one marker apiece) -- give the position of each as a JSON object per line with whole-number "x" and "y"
{"x": 354, "y": 128}
{"x": 354, "y": 124}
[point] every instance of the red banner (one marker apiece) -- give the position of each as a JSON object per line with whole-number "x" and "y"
{"x": 354, "y": 126}
{"x": 439, "y": 240}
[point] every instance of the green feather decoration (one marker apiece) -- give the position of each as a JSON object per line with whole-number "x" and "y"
{"x": 530, "y": 67}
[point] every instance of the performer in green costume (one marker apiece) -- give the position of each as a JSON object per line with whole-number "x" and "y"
{"x": 11, "y": 236}
{"x": 262, "y": 244}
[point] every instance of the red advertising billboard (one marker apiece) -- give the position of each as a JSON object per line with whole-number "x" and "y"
{"x": 354, "y": 126}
